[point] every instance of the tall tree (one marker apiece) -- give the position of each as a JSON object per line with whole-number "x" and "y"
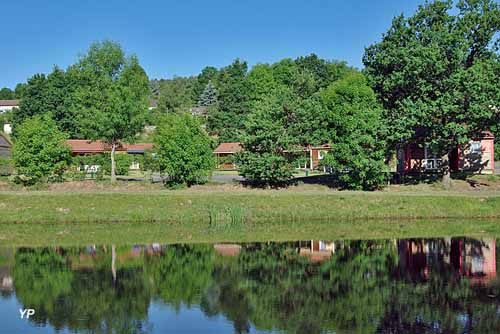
{"x": 39, "y": 152}
{"x": 49, "y": 94}
{"x": 113, "y": 100}
{"x": 6, "y": 94}
{"x": 227, "y": 121}
{"x": 176, "y": 94}
{"x": 209, "y": 96}
{"x": 356, "y": 132}
{"x": 207, "y": 74}
{"x": 183, "y": 150}
{"x": 266, "y": 139}
{"x": 438, "y": 71}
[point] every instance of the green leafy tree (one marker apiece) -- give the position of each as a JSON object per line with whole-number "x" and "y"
{"x": 438, "y": 71}
{"x": 19, "y": 90}
{"x": 356, "y": 132}
{"x": 39, "y": 152}
{"x": 6, "y": 94}
{"x": 50, "y": 94}
{"x": 176, "y": 95}
{"x": 208, "y": 74}
{"x": 227, "y": 121}
{"x": 209, "y": 96}
{"x": 183, "y": 150}
{"x": 113, "y": 103}
{"x": 267, "y": 137}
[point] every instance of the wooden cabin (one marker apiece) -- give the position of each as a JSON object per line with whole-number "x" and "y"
{"x": 477, "y": 157}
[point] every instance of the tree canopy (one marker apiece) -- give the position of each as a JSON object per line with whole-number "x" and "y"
{"x": 436, "y": 73}
{"x": 39, "y": 152}
{"x": 183, "y": 150}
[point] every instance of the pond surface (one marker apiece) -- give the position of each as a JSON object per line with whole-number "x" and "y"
{"x": 448, "y": 285}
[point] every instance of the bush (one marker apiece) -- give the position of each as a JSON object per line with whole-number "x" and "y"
{"x": 39, "y": 152}
{"x": 183, "y": 150}
{"x": 265, "y": 168}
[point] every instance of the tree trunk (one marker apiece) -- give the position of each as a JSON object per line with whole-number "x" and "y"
{"x": 113, "y": 163}
{"x": 446, "y": 180}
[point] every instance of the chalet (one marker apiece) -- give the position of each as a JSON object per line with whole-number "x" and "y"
{"x": 477, "y": 157}
{"x": 224, "y": 154}
{"x": 8, "y": 105}
{"x": 313, "y": 155}
{"x": 88, "y": 147}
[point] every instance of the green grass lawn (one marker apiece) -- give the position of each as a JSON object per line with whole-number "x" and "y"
{"x": 210, "y": 215}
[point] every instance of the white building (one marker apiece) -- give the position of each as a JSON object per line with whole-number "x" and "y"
{"x": 8, "y": 105}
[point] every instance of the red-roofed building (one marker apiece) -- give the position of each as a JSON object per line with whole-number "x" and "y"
{"x": 477, "y": 157}
{"x": 314, "y": 154}
{"x": 8, "y": 105}
{"x": 88, "y": 147}
{"x": 224, "y": 154}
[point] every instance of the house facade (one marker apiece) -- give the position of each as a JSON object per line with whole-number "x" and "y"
{"x": 224, "y": 155}
{"x": 8, "y": 105}
{"x": 88, "y": 147}
{"x": 477, "y": 157}
{"x": 312, "y": 155}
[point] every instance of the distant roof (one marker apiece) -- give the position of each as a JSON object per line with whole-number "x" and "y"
{"x": 138, "y": 148}
{"x": 87, "y": 146}
{"x": 233, "y": 147}
{"x": 9, "y": 103}
{"x": 98, "y": 146}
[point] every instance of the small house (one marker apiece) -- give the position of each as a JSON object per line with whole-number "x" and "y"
{"x": 224, "y": 154}
{"x": 477, "y": 157}
{"x": 8, "y": 105}
{"x": 88, "y": 147}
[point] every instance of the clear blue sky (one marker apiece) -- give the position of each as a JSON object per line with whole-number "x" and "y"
{"x": 181, "y": 37}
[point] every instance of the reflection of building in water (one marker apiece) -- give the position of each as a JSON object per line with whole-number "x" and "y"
{"x": 316, "y": 250}
{"x": 5, "y": 279}
{"x": 475, "y": 259}
{"x": 227, "y": 249}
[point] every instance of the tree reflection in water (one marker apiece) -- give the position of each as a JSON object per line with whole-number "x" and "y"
{"x": 385, "y": 286}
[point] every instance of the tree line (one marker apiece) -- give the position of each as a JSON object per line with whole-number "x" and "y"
{"x": 433, "y": 75}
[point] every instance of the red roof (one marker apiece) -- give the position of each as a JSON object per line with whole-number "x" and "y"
{"x": 98, "y": 146}
{"x": 9, "y": 103}
{"x": 87, "y": 146}
{"x": 140, "y": 147}
{"x": 234, "y": 147}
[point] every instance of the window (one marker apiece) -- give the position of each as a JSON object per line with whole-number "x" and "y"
{"x": 475, "y": 147}
{"x": 321, "y": 155}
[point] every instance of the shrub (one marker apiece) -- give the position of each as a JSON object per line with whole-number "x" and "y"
{"x": 39, "y": 152}
{"x": 183, "y": 150}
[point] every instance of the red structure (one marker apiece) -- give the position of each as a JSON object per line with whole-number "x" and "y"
{"x": 477, "y": 157}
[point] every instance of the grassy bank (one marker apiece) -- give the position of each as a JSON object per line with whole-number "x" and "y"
{"x": 226, "y": 214}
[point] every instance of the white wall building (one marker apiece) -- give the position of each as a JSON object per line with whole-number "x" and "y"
{"x": 8, "y": 105}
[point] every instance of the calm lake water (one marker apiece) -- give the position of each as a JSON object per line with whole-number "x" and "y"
{"x": 448, "y": 285}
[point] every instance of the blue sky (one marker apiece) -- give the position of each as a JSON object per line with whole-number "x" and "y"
{"x": 181, "y": 37}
